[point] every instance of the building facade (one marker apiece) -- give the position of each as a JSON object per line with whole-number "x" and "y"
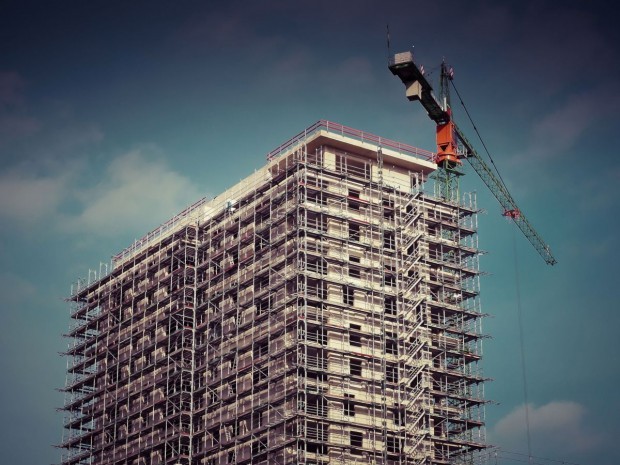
{"x": 323, "y": 310}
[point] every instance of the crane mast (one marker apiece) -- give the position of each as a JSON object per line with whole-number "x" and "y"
{"x": 453, "y": 146}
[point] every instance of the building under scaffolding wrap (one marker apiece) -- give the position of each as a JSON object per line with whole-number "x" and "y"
{"x": 322, "y": 311}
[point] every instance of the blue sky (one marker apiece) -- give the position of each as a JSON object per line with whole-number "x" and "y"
{"x": 116, "y": 115}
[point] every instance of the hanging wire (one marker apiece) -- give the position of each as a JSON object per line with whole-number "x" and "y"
{"x": 478, "y": 134}
{"x": 529, "y": 458}
{"x": 430, "y": 72}
{"x": 517, "y": 286}
{"x": 522, "y": 344}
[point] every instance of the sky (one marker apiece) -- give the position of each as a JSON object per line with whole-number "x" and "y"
{"x": 114, "y": 116}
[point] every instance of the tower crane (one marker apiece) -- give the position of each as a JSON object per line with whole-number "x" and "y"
{"x": 453, "y": 146}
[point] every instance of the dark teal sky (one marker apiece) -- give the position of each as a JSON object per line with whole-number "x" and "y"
{"x": 116, "y": 115}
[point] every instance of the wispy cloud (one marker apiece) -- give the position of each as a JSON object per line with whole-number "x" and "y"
{"x": 137, "y": 188}
{"x": 558, "y": 429}
{"x": 55, "y": 179}
{"x": 560, "y": 129}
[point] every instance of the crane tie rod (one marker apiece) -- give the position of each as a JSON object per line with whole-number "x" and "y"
{"x": 478, "y": 133}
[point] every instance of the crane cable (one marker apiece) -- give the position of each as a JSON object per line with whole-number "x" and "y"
{"x": 478, "y": 134}
{"x": 517, "y": 289}
{"x": 522, "y": 346}
{"x": 517, "y": 286}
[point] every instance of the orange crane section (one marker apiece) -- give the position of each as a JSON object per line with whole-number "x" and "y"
{"x": 453, "y": 146}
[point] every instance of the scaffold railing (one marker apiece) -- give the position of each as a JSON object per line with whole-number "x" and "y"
{"x": 361, "y": 136}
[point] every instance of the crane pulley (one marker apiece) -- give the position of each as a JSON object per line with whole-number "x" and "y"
{"x": 453, "y": 146}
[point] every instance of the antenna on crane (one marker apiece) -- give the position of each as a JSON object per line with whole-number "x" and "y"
{"x": 389, "y": 52}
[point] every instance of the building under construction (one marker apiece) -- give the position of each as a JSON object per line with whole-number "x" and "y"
{"x": 324, "y": 310}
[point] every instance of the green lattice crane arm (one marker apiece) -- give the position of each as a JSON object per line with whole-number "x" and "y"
{"x": 453, "y": 146}
{"x": 497, "y": 188}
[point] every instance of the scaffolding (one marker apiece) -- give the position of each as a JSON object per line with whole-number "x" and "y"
{"x": 324, "y": 310}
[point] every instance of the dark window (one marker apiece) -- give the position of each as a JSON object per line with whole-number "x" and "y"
{"x": 390, "y": 280}
{"x": 391, "y": 347}
{"x": 390, "y": 306}
{"x": 317, "y": 334}
{"x": 355, "y": 366}
{"x": 260, "y": 374}
{"x": 391, "y": 374}
{"x": 353, "y": 202}
{"x": 388, "y": 209}
{"x": 213, "y": 398}
{"x": 340, "y": 163}
{"x": 261, "y": 283}
{"x": 259, "y": 446}
{"x": 317, "y": 405}
{"x": 348, "y": 408}
{"x": 393, "y": 444}
{"x": 317, "y": 288}
{"x": 316, "y": 432}
{"x": 257, "y": 419}
{"x": 317, "y": 222}
{"x": 317, "y": 265}
{"x": 354, "y": 232}
{"x": 389, "y": 242}
{"x": 357, "y": 438}
{"x": 399, "y": 416}
{"x": 347, "y": 295}
{"x": 317, "y": 197}
{"x": 355, "y": 273}
{"x": 260, "y": 349}
{"x": 354, "y": 338}
{"x": 215, "y": 330}
{"x": 261, "y": 241}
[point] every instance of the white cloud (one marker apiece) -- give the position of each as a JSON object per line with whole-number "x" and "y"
{"x": 557, "y": 429}
{"x": 560, "y": 129}
{"x": 50, "y": 180}
{"x": 137, "y": 190}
